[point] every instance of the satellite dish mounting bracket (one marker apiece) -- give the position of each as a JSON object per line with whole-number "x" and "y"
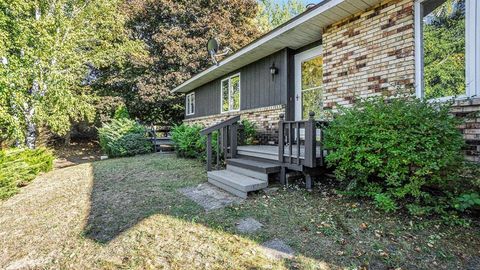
{"x": 213, "y": 46}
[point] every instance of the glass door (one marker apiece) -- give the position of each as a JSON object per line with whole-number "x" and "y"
{"x": 309, "y": 84}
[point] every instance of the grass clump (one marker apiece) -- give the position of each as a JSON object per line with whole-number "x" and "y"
{"x": 20, "y": 166}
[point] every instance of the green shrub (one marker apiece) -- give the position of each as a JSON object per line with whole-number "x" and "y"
{"x": 189, "y": 143}
{"x": 249, "y": 131}
{"x": 123, "y": 137}
{"x": 466, "y": 201}
{"x": 20, "y": 166}
{"x": 121, "y": 112}
{"x": 401, "y": 150}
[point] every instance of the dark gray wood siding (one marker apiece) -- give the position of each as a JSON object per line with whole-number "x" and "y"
{"x": 258, "y": 88}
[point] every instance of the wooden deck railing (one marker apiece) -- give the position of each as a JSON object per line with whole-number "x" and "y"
{"x": 299, "y": 142}
{"x": 226, "y": 140}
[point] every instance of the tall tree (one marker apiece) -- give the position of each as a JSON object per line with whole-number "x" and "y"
{"x": 49, "y": 50}
{"x": 274, "y": 13}
{"x": 175, "y": 33}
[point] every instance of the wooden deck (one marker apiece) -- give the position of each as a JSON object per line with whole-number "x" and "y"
{"x": 271, "y": 151}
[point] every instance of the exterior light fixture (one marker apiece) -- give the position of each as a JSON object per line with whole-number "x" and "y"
{"x": 273, "y": 70}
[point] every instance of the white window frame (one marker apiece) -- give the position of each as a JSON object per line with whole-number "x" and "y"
{"x": 230, "y": 103}
{"x": 190, "y": 99}
{"x": 472, "y": 50}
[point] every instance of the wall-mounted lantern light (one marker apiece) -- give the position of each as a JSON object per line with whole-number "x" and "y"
{"x": 273, "y": 70}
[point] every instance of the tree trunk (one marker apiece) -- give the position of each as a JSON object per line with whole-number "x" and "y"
{"x": 31, "y": 134}
{"x": 68, "y": 138}
{"x": 29, "y": 113}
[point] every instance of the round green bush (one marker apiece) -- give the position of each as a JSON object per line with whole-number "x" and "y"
{"x": 190, "y": 144}
{"x": 124, "y": 137}
{"x": 188, "y": 141}
{"x": 399, "y": 150}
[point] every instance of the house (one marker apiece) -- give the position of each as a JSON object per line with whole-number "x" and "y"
{"x": 331, "y": 54}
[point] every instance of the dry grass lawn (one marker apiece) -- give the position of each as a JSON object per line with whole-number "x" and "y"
{"x": 127, "y": 213}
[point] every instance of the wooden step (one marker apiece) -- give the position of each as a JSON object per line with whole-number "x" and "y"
{"x": 255, "y": 165}
{"x": 259, "y": 151}
{"x": 228, "y": 188}
{"x": 247, "y": 172}
{"x": 241, "y": 184}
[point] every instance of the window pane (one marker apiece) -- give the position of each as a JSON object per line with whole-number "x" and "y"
{"x": 312, "y": 73}
{"x": 312, "y": 102}
{"x": 225, "y": 105}
{"x": 193, "y": 104}
{"x": 235, "y": 94}
{"x": 444, "y": 48}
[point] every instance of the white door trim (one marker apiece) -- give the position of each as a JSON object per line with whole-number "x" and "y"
{"x": 299, "y": 59}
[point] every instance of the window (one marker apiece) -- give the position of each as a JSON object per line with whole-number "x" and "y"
{"x": 230, "y": 93}
{"x": 312, "y": 87}
{"x": 447, "y": 48}
{"x": 190, "y": 104}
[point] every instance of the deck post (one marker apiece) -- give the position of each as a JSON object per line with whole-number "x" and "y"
{"x": 234, "y": 141}
{"x": 310, "y": 141}
{"x": 283, "y": 176}
{"x": 308, "y": 181}
{"x": 219, "y": 147}
{"x": 225, "y": 135}
{"x": 281, "y": 138}
{"x": 209, "y": 152}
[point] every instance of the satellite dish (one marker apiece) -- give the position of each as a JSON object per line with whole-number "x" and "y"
{"x": 309, "y": 6}
{"x": 213, "y": 46}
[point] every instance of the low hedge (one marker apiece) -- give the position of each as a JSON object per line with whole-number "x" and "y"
{"x": 402, "y": 153}
{"x": 124, "y": 137}
{"x": 189, "y": 143}
{"x": 20, "y": 166}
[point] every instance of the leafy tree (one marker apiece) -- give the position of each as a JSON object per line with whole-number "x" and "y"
{"x": 272, "y": 13}
{"x": 175, "y": 33}
{"x": 49, "y": 51}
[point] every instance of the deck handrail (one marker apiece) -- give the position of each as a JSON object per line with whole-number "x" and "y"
{"x": 289, "y": 135}
{"x": 226, "y": 140}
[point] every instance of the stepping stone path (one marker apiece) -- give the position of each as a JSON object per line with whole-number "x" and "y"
{"x": 277, "y": 249}
{"x": 248, "y": 225}
{"x": 210, "y": 197}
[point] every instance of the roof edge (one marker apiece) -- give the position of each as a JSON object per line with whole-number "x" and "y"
{"x": 300, "y": 18}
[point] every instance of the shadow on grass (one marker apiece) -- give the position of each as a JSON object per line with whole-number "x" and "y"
{"x": 126, "y": 191}
{"x": 323, "y": 229}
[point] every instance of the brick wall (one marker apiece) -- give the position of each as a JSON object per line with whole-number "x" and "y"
{"x": 369, "y": 53}
{"x": 469, "y": 110}
{"x": 266, "y": 120}
{"x": 372, "y": 53}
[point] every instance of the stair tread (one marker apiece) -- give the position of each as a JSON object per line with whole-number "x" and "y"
{"x": 238, "y": 181}
{"x": 255, "y": 165}
{"x": 260, "y": 164}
